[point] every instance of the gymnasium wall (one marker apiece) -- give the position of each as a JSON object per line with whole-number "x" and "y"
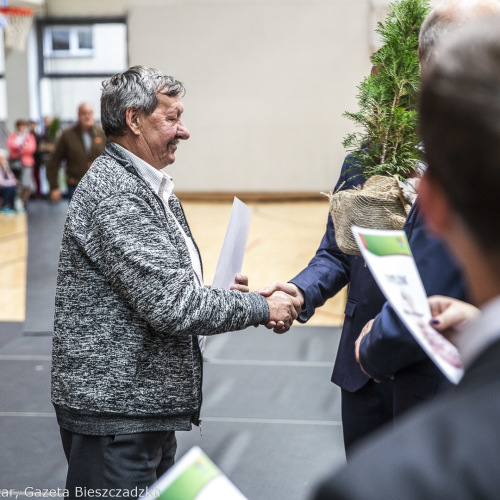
{"x": 267, "y": 83}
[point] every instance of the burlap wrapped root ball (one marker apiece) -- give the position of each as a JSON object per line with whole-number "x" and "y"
{"x": 379, "y": 204}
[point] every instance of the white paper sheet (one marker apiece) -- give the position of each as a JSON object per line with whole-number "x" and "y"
{"x": 233, "y": 249}
{"x": 389, "y": 258}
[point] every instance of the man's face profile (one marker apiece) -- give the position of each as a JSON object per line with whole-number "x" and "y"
{"x": 162, "y": 130}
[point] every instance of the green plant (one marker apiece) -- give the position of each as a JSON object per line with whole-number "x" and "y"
{"x": 388, "y": 142}
{"x": 54, "y": 128}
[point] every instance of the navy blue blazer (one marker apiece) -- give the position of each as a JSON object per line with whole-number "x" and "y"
{"x": 390, "y": 349}
{"x": 327, "y": 273}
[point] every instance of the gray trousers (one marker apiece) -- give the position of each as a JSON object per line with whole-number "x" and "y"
{"x": 123, "y": 461}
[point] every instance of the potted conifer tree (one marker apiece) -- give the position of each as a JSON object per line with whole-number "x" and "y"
{"x": 386, "y": 145}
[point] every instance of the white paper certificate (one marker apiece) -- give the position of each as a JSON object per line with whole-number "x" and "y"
{"x": 193, "y": 477}
{"x": 388, "y": 255}
{"x": 233, "y": 249}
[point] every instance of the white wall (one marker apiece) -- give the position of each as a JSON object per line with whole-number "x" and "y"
{"x": 71, "y": 8}
{"x": 3, "y": 88}
{"x": 267, "y": 83}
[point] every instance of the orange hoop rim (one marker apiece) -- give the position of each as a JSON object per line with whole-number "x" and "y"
{"x": 16, "y": 11}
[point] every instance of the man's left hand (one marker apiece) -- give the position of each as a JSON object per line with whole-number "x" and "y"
{"x": 240, "y": 283}
{"x": 365, "y": 331}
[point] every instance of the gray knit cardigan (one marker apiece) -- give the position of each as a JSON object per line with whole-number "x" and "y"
{"x": 125, "y": 354}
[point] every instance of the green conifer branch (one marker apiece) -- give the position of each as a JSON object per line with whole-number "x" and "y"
{"x": 387, "y": 142}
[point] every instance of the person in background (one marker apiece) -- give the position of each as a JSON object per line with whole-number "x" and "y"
{"x": 32, "y": 125}
{"x": 78, "y": 146}
{"x": 448, "y": 448}
{"x": 45, "y": 146}
{"x": 22, "y": 147}
{"x": 8, "y": 184}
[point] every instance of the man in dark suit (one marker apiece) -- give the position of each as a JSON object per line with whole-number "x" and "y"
{"x": 366, "y": 405}
{"x": 449, "y": 448}
{"x": 386, "y": 349}
{"x": 78, "y": 145}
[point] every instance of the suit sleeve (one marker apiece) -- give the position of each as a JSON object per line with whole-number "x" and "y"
{"x": 329, "y": 270}
{"x": 390, "y": 347}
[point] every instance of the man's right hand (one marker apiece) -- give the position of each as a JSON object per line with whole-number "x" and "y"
{"x": 291, "y": 295}
{"x": 283, "y": 311}
{"x": 55, "y": 195}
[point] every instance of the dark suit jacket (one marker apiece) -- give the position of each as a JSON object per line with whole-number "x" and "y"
{"x": 446, "y": 449}
{"x": 70, "y": 147}
{"x": 390, "y": 349}
{"x": 327, "y": 273}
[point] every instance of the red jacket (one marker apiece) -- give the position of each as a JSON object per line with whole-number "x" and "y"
{"x": 24, "y": 151}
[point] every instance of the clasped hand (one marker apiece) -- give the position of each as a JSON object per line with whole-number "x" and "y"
{"x": 285, "y": 301}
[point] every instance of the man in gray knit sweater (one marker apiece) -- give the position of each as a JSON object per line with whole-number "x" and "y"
{"x": 130, "y": 305}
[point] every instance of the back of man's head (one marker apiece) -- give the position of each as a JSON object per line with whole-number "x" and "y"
{"x": 446, "y": 18}
{"x": 460, "y": 127}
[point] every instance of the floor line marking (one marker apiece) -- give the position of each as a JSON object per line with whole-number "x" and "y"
{"x": 243, "y": 420}
{"x": 256, "y": 362}
{"x": 30, "y": 414}
{"x": 25, "y": 357}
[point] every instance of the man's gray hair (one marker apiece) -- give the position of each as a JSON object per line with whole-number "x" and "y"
{"x": 447, "y": 17}
{"x": 138, "y": 87}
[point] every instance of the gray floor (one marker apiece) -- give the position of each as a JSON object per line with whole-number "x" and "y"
{"x": 271, "y": 416}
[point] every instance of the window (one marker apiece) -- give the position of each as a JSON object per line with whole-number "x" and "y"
{"x": 68, "y": 41}
{"x": 90, "y": 47}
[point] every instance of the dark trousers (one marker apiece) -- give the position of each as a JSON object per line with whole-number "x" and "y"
{"x": 123, "y": 461}
{"x": 365, "y": 410}
{"x": 71, "y": 191}
{"x": 8, "y": 194}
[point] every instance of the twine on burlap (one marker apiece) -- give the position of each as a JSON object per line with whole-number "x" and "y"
{"x": 379, "y": 204}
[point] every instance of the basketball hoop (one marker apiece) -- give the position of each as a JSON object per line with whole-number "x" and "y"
{"x": 16, "y": 22}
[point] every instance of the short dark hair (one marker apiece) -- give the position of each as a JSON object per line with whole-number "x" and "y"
{"x": 460, "y": 126}
{"x": 136, "y": 87}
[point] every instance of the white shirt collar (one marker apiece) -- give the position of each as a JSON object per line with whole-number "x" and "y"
{"x": 161, "y": 183}
{"x": 480, "y": 333}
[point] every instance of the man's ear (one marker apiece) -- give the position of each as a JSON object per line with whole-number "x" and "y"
{"x": 133, "y": 118}
{"x": 434, "y": 205}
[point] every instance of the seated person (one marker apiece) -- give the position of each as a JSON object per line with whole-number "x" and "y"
{"x": 8, "y": 184}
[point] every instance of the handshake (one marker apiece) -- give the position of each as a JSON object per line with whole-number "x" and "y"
{"x": 285, "y": 301}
